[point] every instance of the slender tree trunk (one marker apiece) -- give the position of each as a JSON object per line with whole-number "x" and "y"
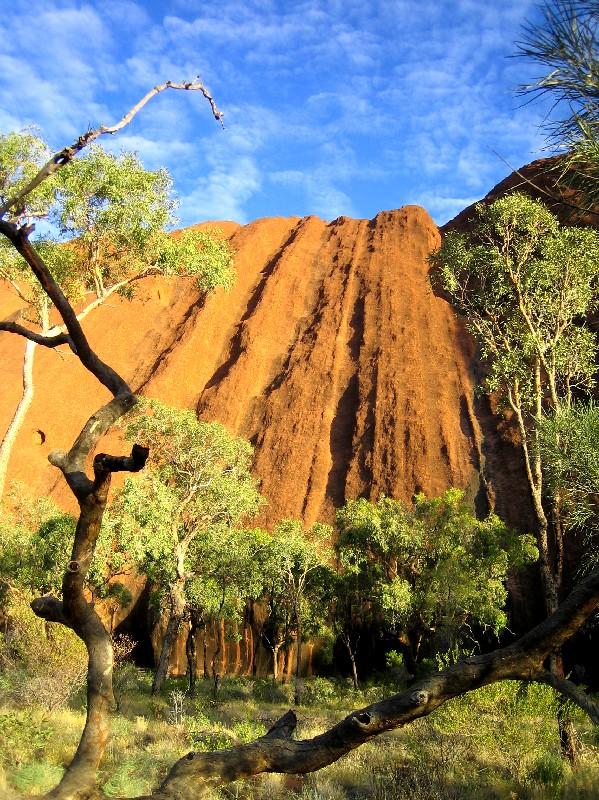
{"x": 352, "y": 658}
{"x": 191, "y": 653}
{"x": 298, "y": 667}
{"x": 551, "y": 574}
{"x": 275, "y": 661}
{"x": 176, "y": 613}
{"x": 223, "y": 647}
{"x": 19, "y": 415}
{"x": 213, "y": 666}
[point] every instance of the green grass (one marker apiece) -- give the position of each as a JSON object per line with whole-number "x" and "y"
{"x": 498, "y": 742}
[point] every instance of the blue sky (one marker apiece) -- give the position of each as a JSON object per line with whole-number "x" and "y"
{"x": 330, "y": 107}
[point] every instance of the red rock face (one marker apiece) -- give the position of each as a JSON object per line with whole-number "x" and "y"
{"x": 331, "y": 354}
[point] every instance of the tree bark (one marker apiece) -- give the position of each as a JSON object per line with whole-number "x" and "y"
{"x": 191, "y": 653}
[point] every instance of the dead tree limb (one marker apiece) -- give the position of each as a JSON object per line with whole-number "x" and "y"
{"x": 196, "y": 774}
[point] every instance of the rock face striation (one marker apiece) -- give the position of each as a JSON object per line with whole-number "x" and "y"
{"x": 331, "y": 354}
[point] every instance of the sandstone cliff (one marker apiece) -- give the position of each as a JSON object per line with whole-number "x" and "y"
{"x": 331, "y": 354}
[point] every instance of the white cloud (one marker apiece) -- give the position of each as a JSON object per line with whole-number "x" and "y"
{"x": 222, "y": 194}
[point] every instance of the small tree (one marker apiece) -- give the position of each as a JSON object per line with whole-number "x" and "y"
{"x": 228, "y": 572}
{"x": 113, "y": 216}
{"x": 523, "y": 283}
{"x": 293, "y": 563}
{"x": 431, "y": 572}
{"x": 199, "y": 479}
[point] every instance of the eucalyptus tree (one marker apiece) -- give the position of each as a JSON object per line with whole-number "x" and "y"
{"x": 112, "y": 217}
{"x": 429, "y": 573}
{"x": 227, "y": 571}
{"x": 523, "y": 283}
{"x": 35, "y": 533}
{"x": 292, "y": 583}
{"x": 198, "y": 485}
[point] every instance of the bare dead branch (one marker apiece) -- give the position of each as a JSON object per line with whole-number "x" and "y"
{"x": 68, "y": 153}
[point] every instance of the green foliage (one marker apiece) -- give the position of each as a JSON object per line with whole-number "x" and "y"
{"x": 196, "y": 487}
{"x": 564, "y": 45}
{"x": 569, "y": 449}
{"x": 24, "y": 737}
{"x": 295, "y": 568}
{"x": 179, "y": 522}
{"x": 35, "y": 540}
{"x": 118, "y": 213}
{"x": 45, "y": 662}
{"x": 522, "y": 283}
{"x": 570, "y": 453}
{"x": 106, "y": 195}
{"x": 200, "y": 464}
{"x": 22, "y": 153}
{"x": 112, "y": 215}
{"x": 30, "y": 561}
{"x": 226, "y": 570}
{"x": 37, "y": 777}
{"x": 128, "y": 779}
{"x": 435, "y": 569}
{"x": 318, "y": 692}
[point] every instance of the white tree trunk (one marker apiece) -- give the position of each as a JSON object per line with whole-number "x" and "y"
{"x": 17, "y": 421}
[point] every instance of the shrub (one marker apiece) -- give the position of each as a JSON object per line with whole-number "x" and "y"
{"x": 37, "y": 777}
{"x": 318, "y": 691}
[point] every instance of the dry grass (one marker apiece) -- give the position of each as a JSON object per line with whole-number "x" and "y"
{"x": 499, "y": 742}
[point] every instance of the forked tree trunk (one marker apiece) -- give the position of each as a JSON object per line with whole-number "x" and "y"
{"x": 20, "y": 412}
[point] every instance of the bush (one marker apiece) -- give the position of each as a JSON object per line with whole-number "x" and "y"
{"x": 266, "y": 690}
{"x": 42, "y": 663}
{"x": 318, "y": 691}
{"x": 37, "y": 777}
{"x": 23, "y": 736}
{"x": 547, "y": 770}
